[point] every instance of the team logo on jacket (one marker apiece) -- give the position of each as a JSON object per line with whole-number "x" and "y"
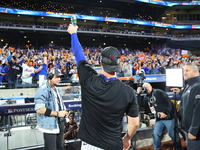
{"x": 197, "y": 96}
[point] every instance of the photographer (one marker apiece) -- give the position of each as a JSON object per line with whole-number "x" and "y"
{"x": 72, "y": 128}
{"x": 162, "y": 109}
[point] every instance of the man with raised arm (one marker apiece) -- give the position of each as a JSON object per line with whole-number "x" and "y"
{"x": 105, "y": 100}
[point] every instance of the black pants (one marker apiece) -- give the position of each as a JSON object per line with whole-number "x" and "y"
{"x": 54, "y": 141}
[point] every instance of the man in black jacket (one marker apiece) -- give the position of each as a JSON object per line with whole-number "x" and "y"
{"x": 190, "y": 106}
{"x": 162, "y": 109}
{"x": 15, "y": 70}
{"x": 164, "y": 65}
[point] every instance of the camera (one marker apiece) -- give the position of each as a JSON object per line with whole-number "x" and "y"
{"x": 157, "y": 116}
{"x": 74, "y": 127}
{"x": 140, "y": 82}
{"x": 154, "y": 116}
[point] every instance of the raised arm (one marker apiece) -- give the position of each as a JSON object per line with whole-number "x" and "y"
{"x": 76, "y": 46}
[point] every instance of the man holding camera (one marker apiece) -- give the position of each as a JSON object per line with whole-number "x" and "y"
{"x": 72, "y": 127}
{"x": 162, "y": 109}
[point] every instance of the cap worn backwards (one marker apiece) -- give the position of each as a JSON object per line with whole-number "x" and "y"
{"x": 110, "y": 59}
{"x": 58, "y": 73}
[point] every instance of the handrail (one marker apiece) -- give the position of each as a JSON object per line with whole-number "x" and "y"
{"x": 97, "y": 31}
{"x": 23, "y": 97}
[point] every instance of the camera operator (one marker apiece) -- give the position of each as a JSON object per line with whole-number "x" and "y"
{"x": 72, "y": 127}
{"x": 162, "y": 109}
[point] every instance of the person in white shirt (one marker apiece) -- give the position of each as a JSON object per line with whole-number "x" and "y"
{"x": 127, "y": 68}
{"x": 74, "y": 75}
{"x": 27, "y": 73}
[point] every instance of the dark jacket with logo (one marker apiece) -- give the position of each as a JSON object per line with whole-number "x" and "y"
{"x": 190, "y": 107}
{"x": 161, "y": 102}
{"x": 14, "y": 70}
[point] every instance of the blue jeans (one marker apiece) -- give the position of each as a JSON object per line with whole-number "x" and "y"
{"x": 158, "y": 133}
{"x": 192, "y": 144}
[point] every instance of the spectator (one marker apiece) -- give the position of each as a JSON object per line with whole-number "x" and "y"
{"x": 3, "y": 58}
{"x": 164, "y": 65}
{"x": 127, "y": 68}
{"x": 2, "y": 72}
{"x": 140, "y": 71}
{"x": 145, "y": 68}
{"x": 27, "y": 72}
{"x": 73, "y": 74}
{"x": 153, "y": 69}
{"x": 41, "y": 71}
{"x": 15, "y": 70}
{"x": 64, "y": 72}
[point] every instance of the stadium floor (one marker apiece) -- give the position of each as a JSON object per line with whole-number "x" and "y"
{"x": 165, "y": 146}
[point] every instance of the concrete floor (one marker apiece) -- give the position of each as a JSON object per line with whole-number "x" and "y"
{"x": 165, "y": 146}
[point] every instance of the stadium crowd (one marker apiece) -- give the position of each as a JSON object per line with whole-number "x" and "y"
{"x": 28, "y": 65}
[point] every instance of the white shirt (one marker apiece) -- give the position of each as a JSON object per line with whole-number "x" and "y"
{"x": 27, "y": 71}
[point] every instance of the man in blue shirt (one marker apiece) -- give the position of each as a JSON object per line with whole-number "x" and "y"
{"x": 41, "y": 71}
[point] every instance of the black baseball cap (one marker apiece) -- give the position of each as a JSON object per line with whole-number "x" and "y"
{"x": 56, "y": 72}
{"x": 110, "y": 59}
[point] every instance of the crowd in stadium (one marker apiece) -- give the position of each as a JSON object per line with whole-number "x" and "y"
{"x": 28, "y": 65}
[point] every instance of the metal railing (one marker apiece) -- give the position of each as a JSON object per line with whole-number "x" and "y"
{"x": 20, "y": 115}
{"x": 97, "y": 31}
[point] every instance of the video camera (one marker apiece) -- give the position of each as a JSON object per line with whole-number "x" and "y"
{"x": 140, "y": 82}
{"x": 74, "y": 127}
{"x": 157, "y": 116}
{"x": 153, "y": 116}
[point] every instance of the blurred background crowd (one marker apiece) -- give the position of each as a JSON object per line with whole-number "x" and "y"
{"x": 27, "y": 65}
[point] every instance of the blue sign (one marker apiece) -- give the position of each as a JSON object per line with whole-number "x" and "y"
{"x": 98, "y": 18}
{"x": 165, "y": 3}
{"x": 73, "y": 105}
{"x": 152, "y": 78}
{"x": 174, "y": 96}
{"x": 13, "y": 109}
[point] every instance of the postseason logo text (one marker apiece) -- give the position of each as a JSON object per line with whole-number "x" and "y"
{"x": 19, "y": 110}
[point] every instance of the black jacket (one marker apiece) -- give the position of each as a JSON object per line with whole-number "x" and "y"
{"x": 15, "y": 69}
{"x": 190, "y": 107}
{"x": 162, "y": 102}
{"x": 163, "y": 68}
